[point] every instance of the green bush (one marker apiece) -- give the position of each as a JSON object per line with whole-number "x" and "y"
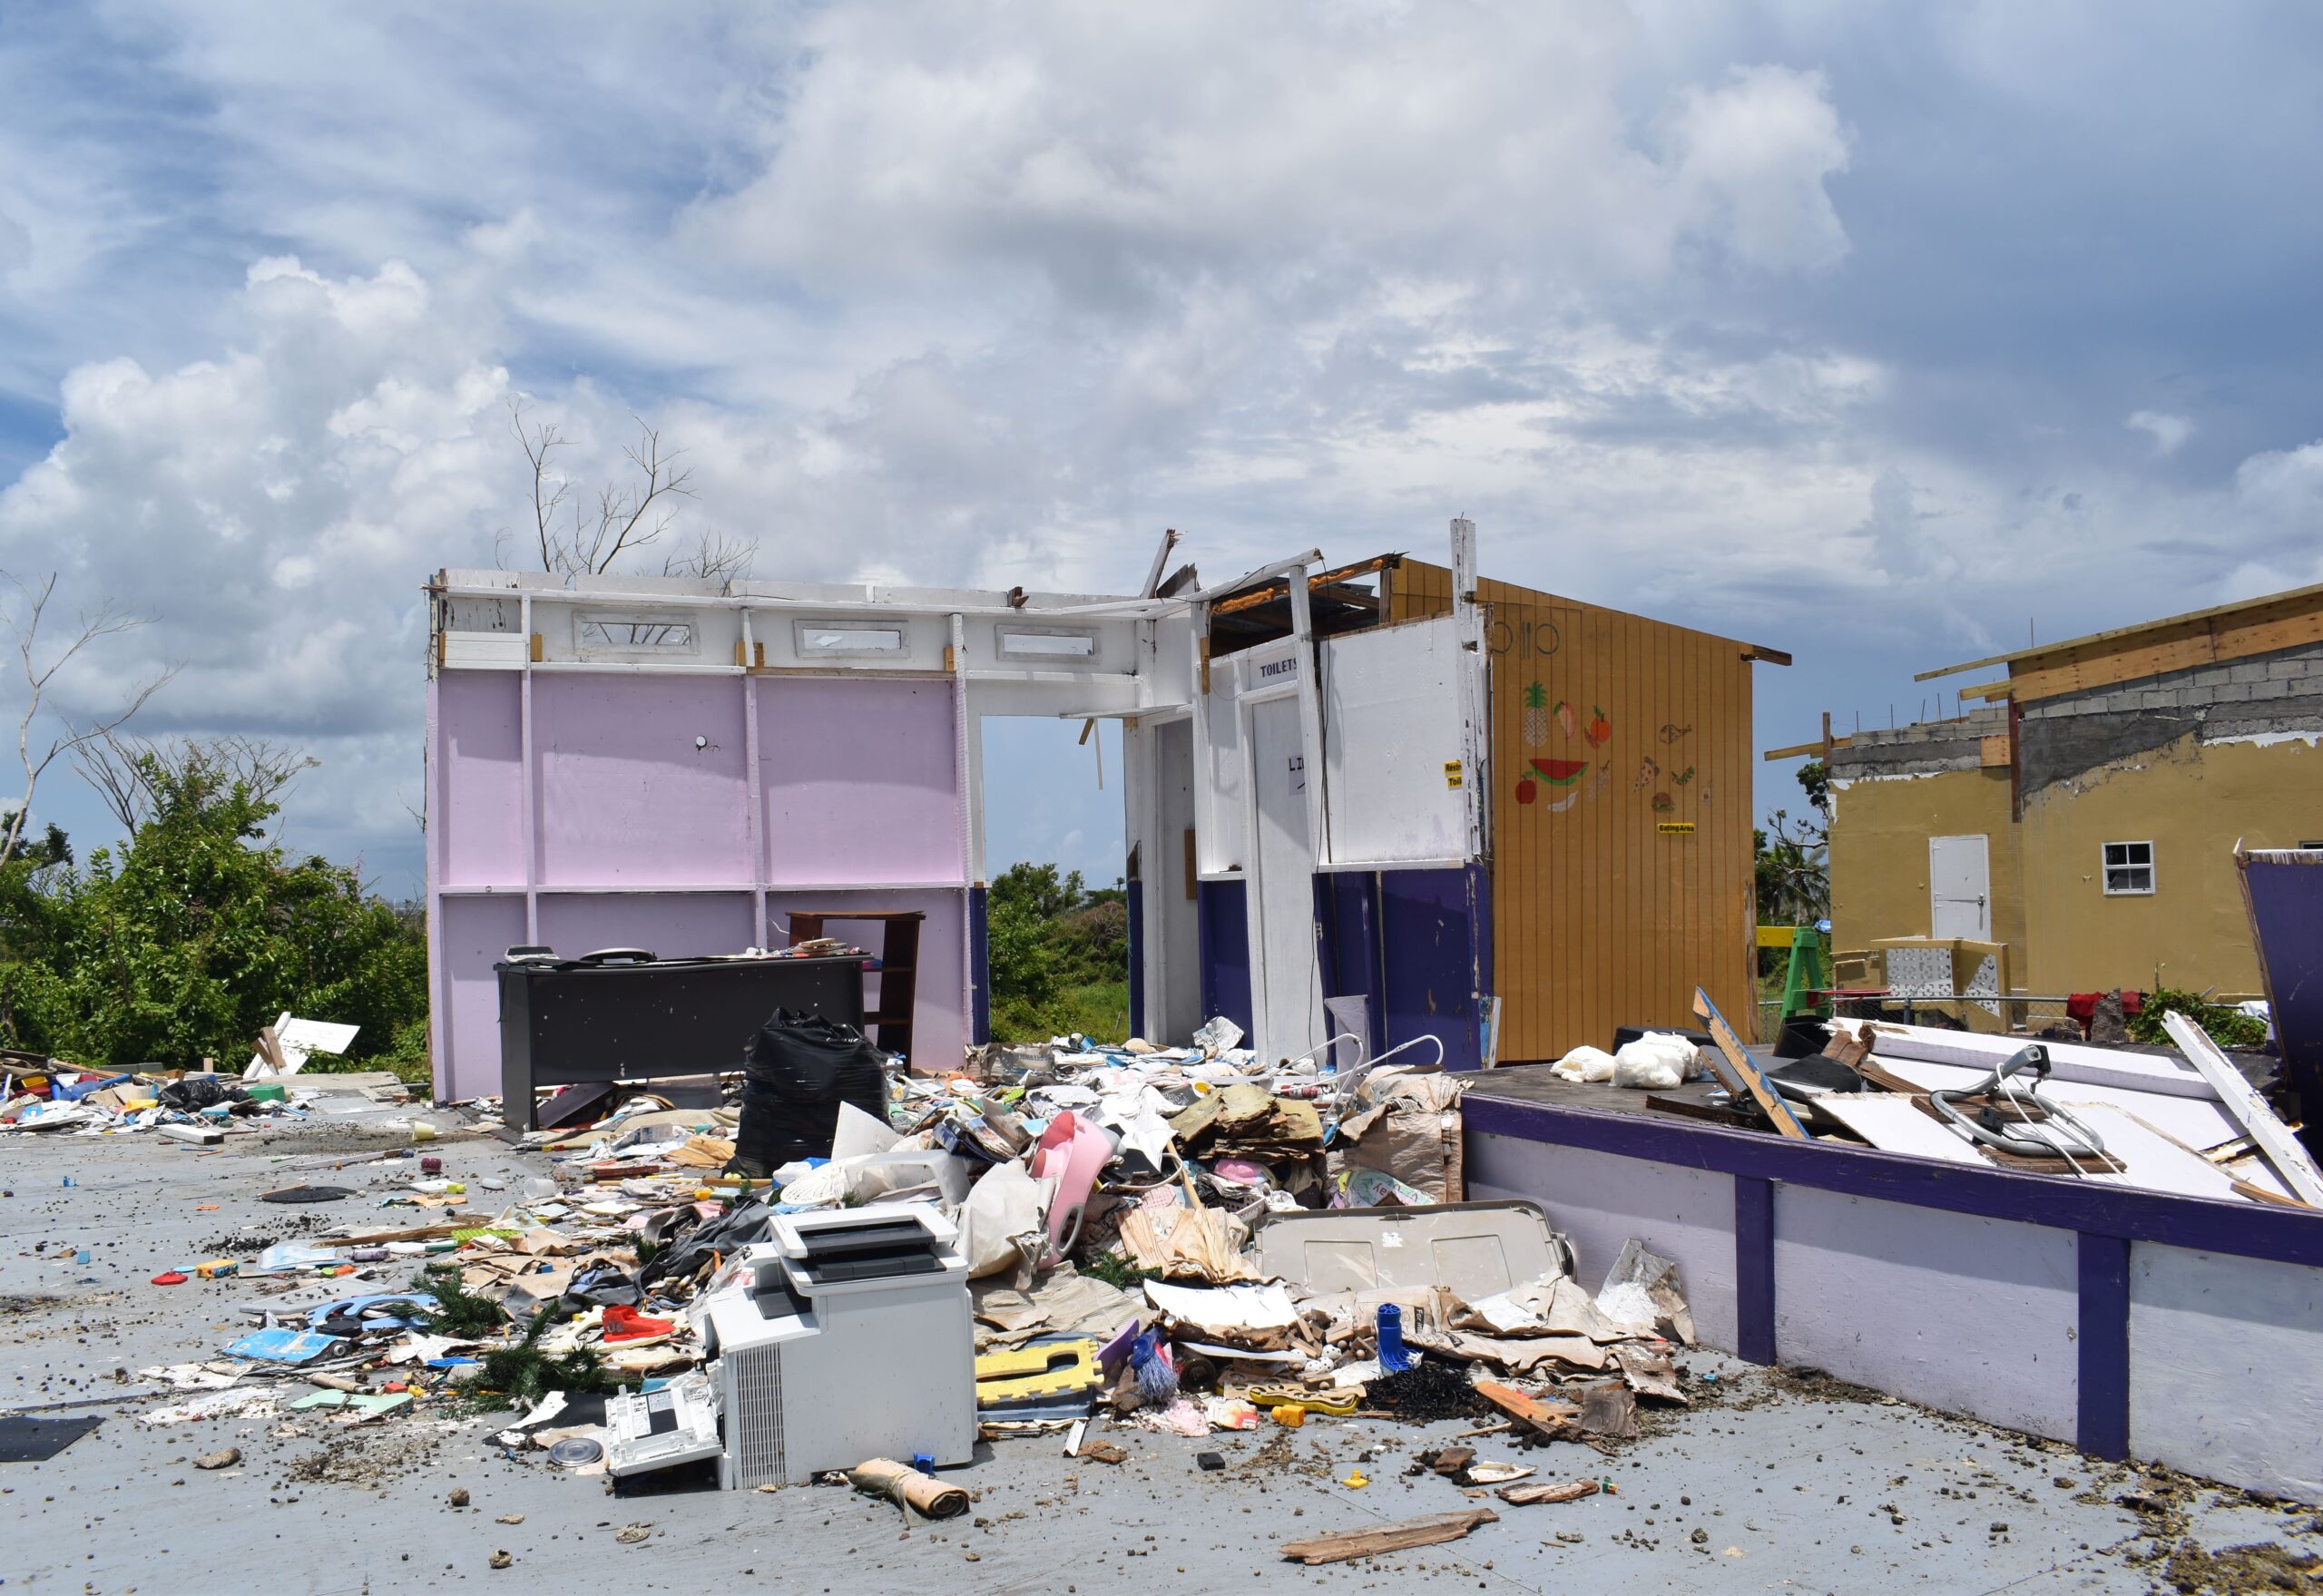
{"x": 197, "y": 933}
{"x": 2229, "y": 1027}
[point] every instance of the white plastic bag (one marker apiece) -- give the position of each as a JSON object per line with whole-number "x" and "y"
{"x": 1584, "y": 1064}
{"x": 1654, "y": 1062}
{"x": 1001, "y": 1211}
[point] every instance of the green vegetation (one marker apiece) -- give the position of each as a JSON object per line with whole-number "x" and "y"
{"x": 459, "y": 1312}
{"x": 1059, "y": 956}
{"x": 198, "y": 931}
{"x": 2227, "y": 1026}
{"x": 1793, "y": 857}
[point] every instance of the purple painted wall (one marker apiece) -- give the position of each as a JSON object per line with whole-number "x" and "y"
{"x": 476, "y": 932}
{"x": 482, "y": 836}
{"x": 1601, "y": 1201}
{"x": 2284, "y": 891}
{"x": 674, "y": 924}
{"x": 859, "y": 776}
{"x": 626, "y": 799}
{"x": 855, "y": 785}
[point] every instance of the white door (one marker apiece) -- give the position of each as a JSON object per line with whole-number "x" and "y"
{"x": 1959, "y": 889}
{"x": 1286, "y": 989}
{"x": 1398, "y": 763}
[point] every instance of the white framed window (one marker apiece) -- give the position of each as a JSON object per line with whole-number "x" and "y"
{"x": 2128, "y": 869}
{"x": 1047, "y": 643}
{"x": 634, "y": 637}
{"x": 826, "y": 639}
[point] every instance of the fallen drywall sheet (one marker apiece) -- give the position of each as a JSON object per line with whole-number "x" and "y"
{"x": 2196, "y": 1122}
{"x": 2155, "y": 1161}
{"x": 1898, "y": 1124}
{"x": 301, "y": 1040}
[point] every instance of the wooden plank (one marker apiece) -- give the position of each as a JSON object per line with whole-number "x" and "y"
{"x": 1715, "y": 1113}
{"x": 1551, "y": 1419}
{"x": 1740, "y": 1074}
{"x": 1432, "y": 1531}
{"x": 1534, "y": 1495}
{"x": 2247, "y": 1108}
{"x": 2210, "y": 643}
{"x": 2240, "y": 612}
{"x": 1993, "y": 751}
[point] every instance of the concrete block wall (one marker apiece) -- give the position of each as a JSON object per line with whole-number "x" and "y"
{"x": 2252, "y": 688}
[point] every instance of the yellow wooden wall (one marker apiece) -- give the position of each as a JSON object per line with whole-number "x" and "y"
{"x": 1601, "y": 918}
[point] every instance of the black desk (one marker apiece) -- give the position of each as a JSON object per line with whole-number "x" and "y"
{"x": 565, "y": 1024}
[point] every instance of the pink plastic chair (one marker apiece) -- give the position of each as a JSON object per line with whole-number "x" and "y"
{"x": 1071, "y": 1151}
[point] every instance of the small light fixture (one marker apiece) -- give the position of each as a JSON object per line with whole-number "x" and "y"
{"x": 700, "y": 742}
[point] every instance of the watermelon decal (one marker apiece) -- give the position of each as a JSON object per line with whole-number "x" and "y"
{"x": 1560, "y": 772}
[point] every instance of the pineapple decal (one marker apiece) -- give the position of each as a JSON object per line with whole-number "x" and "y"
{"x": 1536, "y": 715}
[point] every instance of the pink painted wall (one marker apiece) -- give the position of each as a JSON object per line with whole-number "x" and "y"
{"x": 477, "y": 931}
{"x": 481, "y": 835}
{"x": 626, "y": 799}
{"x": 860, "y": 781}
{"x": 939, "y": 1018}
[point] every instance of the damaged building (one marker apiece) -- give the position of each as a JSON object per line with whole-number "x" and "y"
{"x": 1369, "y": 800}
{"x": 2082, "y": 820}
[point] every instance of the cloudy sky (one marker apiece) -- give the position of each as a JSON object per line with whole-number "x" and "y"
{"x": 1877, "y": 332}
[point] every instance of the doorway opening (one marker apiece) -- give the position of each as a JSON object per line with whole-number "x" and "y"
{"x": 1056, "y": 871}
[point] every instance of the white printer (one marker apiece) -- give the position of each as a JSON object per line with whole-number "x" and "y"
{"x": 846, "y": 1336}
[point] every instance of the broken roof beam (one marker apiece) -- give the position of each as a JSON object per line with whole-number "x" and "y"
{"x": 1275, "y": 590}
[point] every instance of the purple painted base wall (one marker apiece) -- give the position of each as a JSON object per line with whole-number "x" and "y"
{"x": 2132, "y": 1323}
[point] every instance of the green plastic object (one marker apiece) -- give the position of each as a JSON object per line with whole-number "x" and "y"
{"x": 267, "y": 1093}
{"x": 1809, "y": 977}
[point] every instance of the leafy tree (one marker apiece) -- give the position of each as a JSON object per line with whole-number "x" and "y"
{"x": 1792, "y": 856}
{"x": 198, "y": 933}
{"x": 1059, "y": 955}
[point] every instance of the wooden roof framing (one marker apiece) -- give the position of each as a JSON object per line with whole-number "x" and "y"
{"x": 2215, "y": 636}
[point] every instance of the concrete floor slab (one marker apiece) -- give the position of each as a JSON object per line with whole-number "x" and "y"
{"x": 1790, "y": 1486}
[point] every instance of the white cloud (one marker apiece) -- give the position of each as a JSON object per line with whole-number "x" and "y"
{"x": 2168, "y": 431}
{"x": 1123, "y": 154}
{"x": 1657, "y": 293}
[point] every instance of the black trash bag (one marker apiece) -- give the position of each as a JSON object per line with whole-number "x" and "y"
{"x": 602, "y": 1286}
{"x": 799, "y": 1069}
{"x": 739, "y": 1227}
{"x": 196, "y": 1092}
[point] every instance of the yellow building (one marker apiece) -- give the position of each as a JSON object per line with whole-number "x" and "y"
{"x": 2085, "y": 818}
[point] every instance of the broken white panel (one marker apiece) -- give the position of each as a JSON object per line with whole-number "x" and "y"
{"x": 301, "y": 1040}
{"x": 483, "y": 651}
{"x": 2068, "y": 1060}
{"x": 1396, "y": 745}
{"x": 1225, "y": 1307}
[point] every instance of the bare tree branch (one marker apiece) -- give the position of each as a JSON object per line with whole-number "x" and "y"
{"x": 626, "y": 516}
{"x": 104, "y": 623}
{"x": 131, "y": 773}
{"x": 715, "y": 558}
